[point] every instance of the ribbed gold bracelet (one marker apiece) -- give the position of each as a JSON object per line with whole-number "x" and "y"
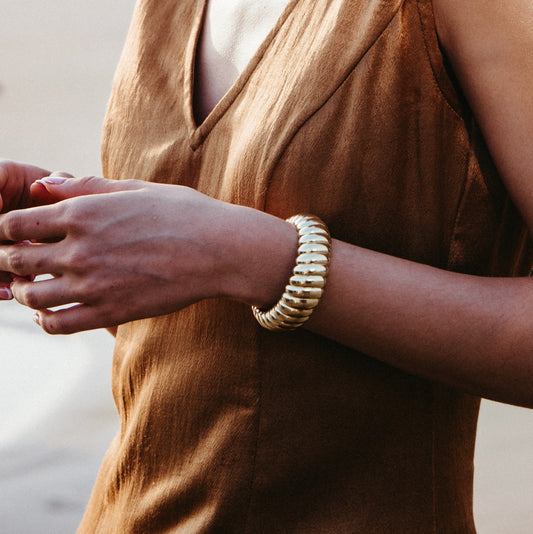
{"x": 306, "y": 285}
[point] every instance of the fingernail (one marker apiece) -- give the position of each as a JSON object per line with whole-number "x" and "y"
{"x": 52, "y": 180}
{"x": 36, "y": 319}
{"x": 5, "y": 293}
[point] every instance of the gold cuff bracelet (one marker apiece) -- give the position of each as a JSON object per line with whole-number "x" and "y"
{"x": 306, "y": 285}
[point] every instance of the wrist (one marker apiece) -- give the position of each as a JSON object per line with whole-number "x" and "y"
{"x": 306, "y": 286}
{"x": 261, "y": 256}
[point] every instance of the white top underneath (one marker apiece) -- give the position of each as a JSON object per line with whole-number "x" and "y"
{"x": 232, "y": 32}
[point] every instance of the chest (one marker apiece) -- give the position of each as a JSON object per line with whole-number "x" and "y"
{"x": 232, "y": 31}
{"x": 330, "y": 116}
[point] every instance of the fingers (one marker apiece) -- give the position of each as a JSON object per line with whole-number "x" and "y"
{"x": 28, "y": 260}
{"x": 42, "y": 294}
{"x": 40, "y": 193}
{"x": 36, "y": 224}
{"x": 69, "y": 320}
{"x": 5, "y": 293}
{"x": 42, "y": 223}
{"x": 15, "y": 180}
{"x": 51, "y": 293}
{"x": 82, "y": 306}
{"x": 5, "y": 283}
{"x": 61, "y": 186}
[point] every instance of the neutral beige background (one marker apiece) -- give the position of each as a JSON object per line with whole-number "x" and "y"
{"x": 56, "y": 64}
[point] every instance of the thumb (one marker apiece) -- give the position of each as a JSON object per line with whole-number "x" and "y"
{"x": 55, "y": 187}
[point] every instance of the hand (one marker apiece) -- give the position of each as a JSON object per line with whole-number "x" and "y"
{"x": 15, "y": 181}
{"x": 122, "y": 251}
{"x": 15, "y": 185}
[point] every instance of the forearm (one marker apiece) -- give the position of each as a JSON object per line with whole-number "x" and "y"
{"x": 469, "y": 332}
{"x": 466, "y": 331}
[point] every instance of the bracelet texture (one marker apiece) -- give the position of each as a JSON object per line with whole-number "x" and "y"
{"x": 306, "y": 285}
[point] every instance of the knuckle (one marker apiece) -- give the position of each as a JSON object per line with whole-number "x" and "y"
{"x": 27, "y": 296}
{"x": 41, "y": 264}
{"x": 13, "y": 226}
{"x": 77, "y": 215}
{"x": 90, "y": 289}
{"x": 77, "y": 260}
{"x": 133, "y": 184}
{"x": 78, "y": 289}
{"x": 15, "y": 260}
{"x": 70, "y": 215}
{"x": 87, "y": 181}
{"x": 90, "y": 293}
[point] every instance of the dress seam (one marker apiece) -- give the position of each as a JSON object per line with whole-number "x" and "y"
{"x": 433, "y": 467}
{"x": 430, "y": 60}
{"x": 297, "y": 129}
{"x": 459, "y": 211}
{"x": 257, "y": 434}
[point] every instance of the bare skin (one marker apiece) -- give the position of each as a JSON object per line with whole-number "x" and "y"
{"x": 469, "y": 332}
{"x": 232, "y": 32}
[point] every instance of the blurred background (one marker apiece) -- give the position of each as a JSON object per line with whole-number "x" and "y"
{"x": 56, "y": 410}
{"x": 57, "y": 415}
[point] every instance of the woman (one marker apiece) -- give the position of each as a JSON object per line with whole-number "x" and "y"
{"x": 363, "y": 419}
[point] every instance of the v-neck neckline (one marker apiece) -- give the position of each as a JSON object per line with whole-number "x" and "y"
{"x": 199, "y": 132}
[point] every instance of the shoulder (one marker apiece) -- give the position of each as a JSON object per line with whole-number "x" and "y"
{"x": 490, "y": 46}
{"x": 483, "y": 24}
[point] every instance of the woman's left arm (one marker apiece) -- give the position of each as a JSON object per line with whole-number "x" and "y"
{"x": 159, "y": 248}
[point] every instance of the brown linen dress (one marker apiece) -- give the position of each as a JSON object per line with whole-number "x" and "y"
{"x": 347, "y": 111}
